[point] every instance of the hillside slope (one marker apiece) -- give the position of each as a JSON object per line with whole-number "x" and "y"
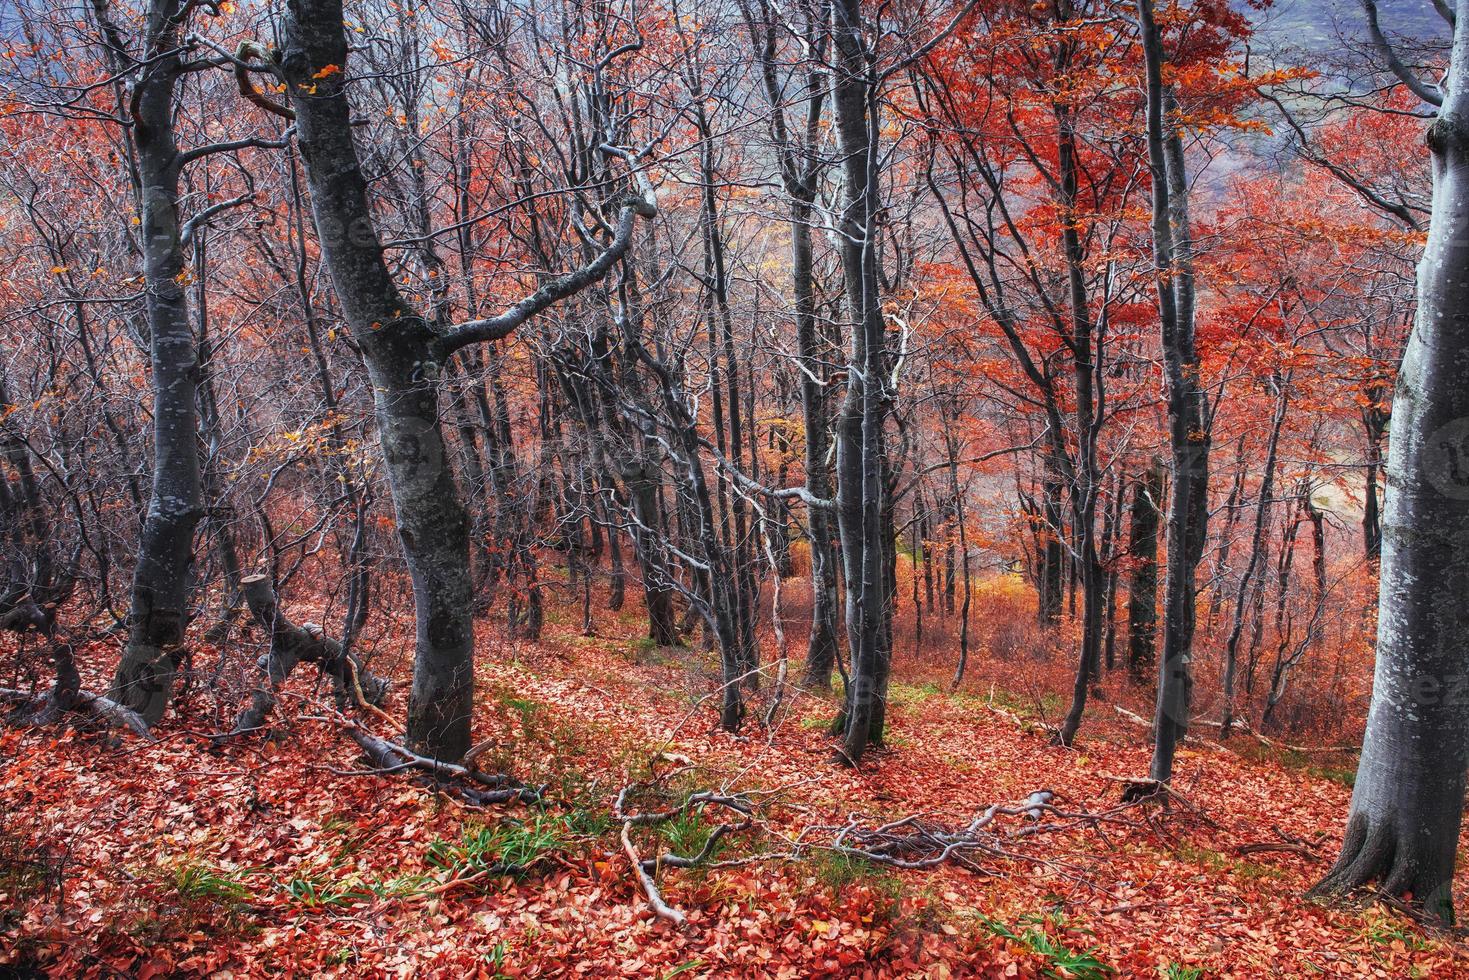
{"x": 279, "y": 855}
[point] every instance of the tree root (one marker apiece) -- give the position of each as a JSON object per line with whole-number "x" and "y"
{"x": 1376, "y": 852}
{"x": 49, "y": 709}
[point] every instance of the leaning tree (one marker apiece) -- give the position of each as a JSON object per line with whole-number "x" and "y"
{"x": 406, "y": 352}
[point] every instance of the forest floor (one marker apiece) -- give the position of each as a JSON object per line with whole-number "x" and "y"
{"x": 277, "y": 856}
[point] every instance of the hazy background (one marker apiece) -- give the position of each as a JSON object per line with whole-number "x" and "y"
{"x": 1321, "y": 24}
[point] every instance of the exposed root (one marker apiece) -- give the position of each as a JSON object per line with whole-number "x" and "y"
{"x": 48, "y": 708}
{"x": 1376, "y": 853}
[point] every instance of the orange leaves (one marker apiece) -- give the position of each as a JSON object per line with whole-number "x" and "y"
{"x": 327, "y": 72}
{"x": 274, "y": 819}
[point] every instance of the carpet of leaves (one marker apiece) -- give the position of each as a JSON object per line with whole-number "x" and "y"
{"x": 274, "y": 856}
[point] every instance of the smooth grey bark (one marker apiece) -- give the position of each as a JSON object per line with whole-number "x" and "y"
{"x": 1408, "y": 800}
{"x": 158, "y": 613}
{"x": 1188, "y": 437}
{"x": 862, "y": 420}
{"x": 398, "y": 348}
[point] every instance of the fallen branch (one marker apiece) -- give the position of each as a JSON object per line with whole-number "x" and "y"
{"x": 48, "y": 708}
{"x": 915, "y": 843}
{"x": 672, "y": 860}
{"x": 1243, "y": 727}
{"x": 1269, "y": 846}
{"x": 650, "y": 887}
{"x": 291, "y": 644}
{"x": 647, "y": 869}
{"x": 389, "y": 757}
{"x": 1137, "y": 789}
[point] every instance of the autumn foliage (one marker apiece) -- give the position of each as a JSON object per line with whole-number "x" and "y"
{"x": 578, "y": 387}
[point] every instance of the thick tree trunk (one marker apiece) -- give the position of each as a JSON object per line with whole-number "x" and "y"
{"x": 1188, "y": 439}
{"x": 434, "y": 530}
{"x": 862, "y": 422}
{"x": 399, "y": 350}
{"x": 642, "y": 490}
{"x": 1408, "y": 801}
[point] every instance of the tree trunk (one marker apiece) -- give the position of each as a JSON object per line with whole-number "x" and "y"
{"x": 1088, "y": 415}
{"x": 289, "y": 645}
{"x": 158, "y": 614}
{"x": 1408, "y": 801}
{"x": 1142, "y": 589}
{"x": 1188, "y": 439}
{"x": 821, "y": 647}
{"x": 1048, "y": 548}
{"x": 398, "y": 348}
{"x": 862, "y": 421}
{"x": 1257, "y": 543}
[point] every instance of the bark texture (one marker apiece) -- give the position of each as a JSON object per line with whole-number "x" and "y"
{"x": 1408, "y": 800}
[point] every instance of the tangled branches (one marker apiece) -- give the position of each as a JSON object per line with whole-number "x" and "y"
{"x": 914, "y": 843}
{"x": 646, "y": 869}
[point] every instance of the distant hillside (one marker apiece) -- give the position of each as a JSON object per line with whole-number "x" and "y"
{"x": 1318, "y": 23}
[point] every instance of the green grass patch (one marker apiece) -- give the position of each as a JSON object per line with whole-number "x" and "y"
{"x": 1035, "y": 934}
{"x": 910, "y": 694}
{"x": 199, "y": 884}
{"x": 323, "y": 892}
{"x": 646, "y": 651}
{"x": 1219, "y": 861}
{"x": 510, "y": 848}
{"x": 1177, "y": 971}
{"x": 1383, "y": 929}
{"x": 688, "y": 834}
